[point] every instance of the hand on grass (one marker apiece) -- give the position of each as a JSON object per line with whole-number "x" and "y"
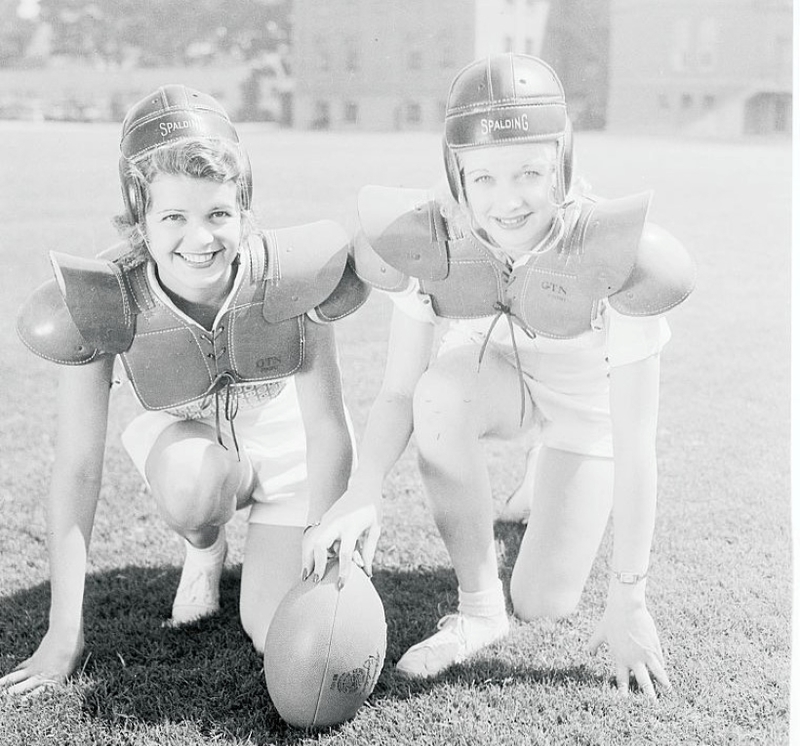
{"x": 350, "y": 528}
{"x": 54, "y": 660}
{"x": 633, "y": 641}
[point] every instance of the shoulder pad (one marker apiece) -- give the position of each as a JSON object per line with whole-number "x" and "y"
{"x": 606, "y": 237}
{"x": 114, "y": 252}
{"x": 405, "y": 228}
{"x": 348, "y": 296}
{"x": 664, "y": 275}
{"x": 373, "y": 270}
{"x": 304, "y": 264}
{"x": 46, "y": 327}
{"x": 98, "y": 300}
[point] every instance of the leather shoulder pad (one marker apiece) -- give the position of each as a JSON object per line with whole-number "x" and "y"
{"x": 606, "y": 237}
{"x": 348, "y": 296}
{"x": 98, "y": 299}
{"x": 303, "y": 266}
{"x": 115, "y": 251}
{"x": 405, "y": 229}
{"x": 664, "y": 275}
{"x": 45, "y": 326}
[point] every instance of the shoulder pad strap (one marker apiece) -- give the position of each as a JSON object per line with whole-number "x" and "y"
{"x": 606, "y": 236}
{"x": 663, "y": 277}
{"x": 46, "y": 327}
{"x": 304, "y": 265}
{"x": 98, "y": 300}
{"x": 406, "y": 229}
{"x": 348, "y": 296}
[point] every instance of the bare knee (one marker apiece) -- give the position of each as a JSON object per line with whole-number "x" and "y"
{"x": 193, "y": 495}
{"x": 442, "y": 408}
{"x": 255, "y": 624}
{"x": 536, "y": 601}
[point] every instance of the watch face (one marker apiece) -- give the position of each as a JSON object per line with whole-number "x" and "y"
{"x": 629, "y": 578}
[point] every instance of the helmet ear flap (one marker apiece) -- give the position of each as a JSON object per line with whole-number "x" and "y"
{"x": 245, "y": 184}
{"x": 564, "y": 170}
{"x": 132, "y": 195}
{"x": 452, "y": 171}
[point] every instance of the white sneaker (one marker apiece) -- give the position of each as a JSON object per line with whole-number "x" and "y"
{"x": 198, "y": 590}
{"x": 459, "y": 636}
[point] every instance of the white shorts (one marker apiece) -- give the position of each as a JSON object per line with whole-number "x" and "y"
{"x": 273, "y": 437}
{"x": 569, "y": 389}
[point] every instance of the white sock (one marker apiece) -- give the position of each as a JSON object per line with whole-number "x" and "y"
{"x": 490, "y": 603}
{"x": 210, "y": 555}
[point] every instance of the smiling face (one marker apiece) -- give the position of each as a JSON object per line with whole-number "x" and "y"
{"x": 193, "y": 229}
{"x": 509, "y": 192}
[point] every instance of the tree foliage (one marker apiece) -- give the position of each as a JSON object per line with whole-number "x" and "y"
{"x": 158, "y": 32}
{"x": 16, "y": 33}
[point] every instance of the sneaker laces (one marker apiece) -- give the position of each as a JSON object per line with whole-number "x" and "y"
{"x": 200, "y": 587}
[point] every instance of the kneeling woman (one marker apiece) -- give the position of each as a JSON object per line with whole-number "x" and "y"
{"x": 554, "y": 304}
{"x": 221, "y": 330}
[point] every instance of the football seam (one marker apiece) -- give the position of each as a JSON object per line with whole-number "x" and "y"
{"x": 327, "y": 659}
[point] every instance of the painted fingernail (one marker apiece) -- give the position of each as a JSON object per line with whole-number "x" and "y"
{"x": 304, "y": 576}
{"x": 315, "y": 578}
{"x": 340, "y": 583}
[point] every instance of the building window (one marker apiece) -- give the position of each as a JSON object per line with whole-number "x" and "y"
{"x": 414, "y": 59}
{"x": 413, "y": 113}
{"x": 709, "y": 101}
{"x": 529, "y": 46}
{"x": 322, "y": 118}
{"x": 687, "y": 101}
{"x": 783, "y": 113}
{"x": 445, "y": 47}
{"x": 351, "y": 112}
{"x": 679, "y": 48}
{"x": 707, "y": 44}
{"x": 352, "y": 62}
{"x": 323, "y": 55}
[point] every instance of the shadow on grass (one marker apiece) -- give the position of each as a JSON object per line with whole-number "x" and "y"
{"x": 136, "y": 673}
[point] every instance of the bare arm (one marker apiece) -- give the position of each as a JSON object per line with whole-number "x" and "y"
{"x": 386, "y": 436}
{"x": 83, "y": 394}
{"x": 634, "y": 415}
{"x": 328, "y": 442}
{"x": 627, "y": 625}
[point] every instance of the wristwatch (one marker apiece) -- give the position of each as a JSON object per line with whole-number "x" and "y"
{"x": 629, "y": 578}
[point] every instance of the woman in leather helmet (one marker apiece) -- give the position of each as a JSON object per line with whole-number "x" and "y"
{"x": 553, "y": 303}
{"x": 221, "y": 330}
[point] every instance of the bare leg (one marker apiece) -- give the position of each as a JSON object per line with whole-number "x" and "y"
{"x": 569, "y": 514}
{"x": 271, "y": 566}
{"x": 517, "y": 508}
{"x": 454, "y": 406}
{"x": 198, "y": 486}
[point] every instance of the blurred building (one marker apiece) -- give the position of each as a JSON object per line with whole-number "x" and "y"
{"x": 576, "y": 45}
{"x": 701, "y": 67}
{"x": 382, "y": 66}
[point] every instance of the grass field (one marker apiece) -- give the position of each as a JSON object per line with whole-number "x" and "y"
{"x": 720, "y": 573}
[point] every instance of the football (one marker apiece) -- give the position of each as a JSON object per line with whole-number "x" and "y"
{"x": 325, "y": 649}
